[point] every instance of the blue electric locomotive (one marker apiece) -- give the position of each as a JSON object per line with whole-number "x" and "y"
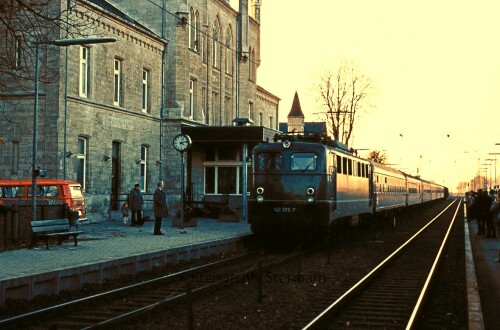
{"x": 303, "y": 184}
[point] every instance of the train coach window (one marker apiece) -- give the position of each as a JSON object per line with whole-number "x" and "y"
{"x": 349, "y": 168}
{"x": 339, "y": 164}
{"x": 303, "y": 161}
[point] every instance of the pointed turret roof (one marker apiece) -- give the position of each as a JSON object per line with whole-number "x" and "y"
{"x": 296, "y": 110}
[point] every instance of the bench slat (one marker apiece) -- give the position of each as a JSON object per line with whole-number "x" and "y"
{"x": 50, "y": 229}
{"x": 51, "y": 222}
{"x": 67, "y": 234}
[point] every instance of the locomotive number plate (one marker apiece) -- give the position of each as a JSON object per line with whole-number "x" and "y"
{"x": 284, "y": 209}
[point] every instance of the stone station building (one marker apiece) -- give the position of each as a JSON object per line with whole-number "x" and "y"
{"x": 177, "y": 66}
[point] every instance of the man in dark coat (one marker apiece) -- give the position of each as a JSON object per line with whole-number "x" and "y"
{"x": 135, "y": 201}
{"x": 159, "y": 207}
{"x": 481, "y": 207}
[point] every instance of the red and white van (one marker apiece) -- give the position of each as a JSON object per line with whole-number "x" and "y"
{"x": 67, "y": 191}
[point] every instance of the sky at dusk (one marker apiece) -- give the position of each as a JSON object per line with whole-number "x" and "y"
{"x": 435, "y": 65}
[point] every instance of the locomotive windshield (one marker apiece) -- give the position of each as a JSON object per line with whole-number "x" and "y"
{"x": 303, "y": 161}
{"x": 270, "y": 161}
{"x": 299, "y": 161}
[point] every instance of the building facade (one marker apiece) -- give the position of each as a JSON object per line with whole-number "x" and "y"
{"x": 175, "y": 65}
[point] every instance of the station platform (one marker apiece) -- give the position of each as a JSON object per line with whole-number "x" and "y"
{"x": 483, "y": 279}
{"x": 109, "y": 249}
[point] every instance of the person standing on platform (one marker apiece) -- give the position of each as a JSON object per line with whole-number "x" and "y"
{"x": 490, "y": 228}
{"x": 159, "y": 207}
{"x": 468, "y": 203}
{"x": 495, "y": 215}
{"x": 481, "y": 208}
{"x": 125, "y": 213}
{"x": 135, "y": 201}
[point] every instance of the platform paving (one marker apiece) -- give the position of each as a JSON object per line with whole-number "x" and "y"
{"x": 109, "y": 249}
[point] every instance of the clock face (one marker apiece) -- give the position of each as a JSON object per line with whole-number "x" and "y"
{"x": 182, "y": 142}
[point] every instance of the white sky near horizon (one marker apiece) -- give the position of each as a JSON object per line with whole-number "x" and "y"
{"x": 435, "y": 64}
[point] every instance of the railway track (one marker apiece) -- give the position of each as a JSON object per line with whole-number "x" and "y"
{"x": 282, "y": 303}
{"x": 391, "y": 295}
{"x": 133, "y": 301}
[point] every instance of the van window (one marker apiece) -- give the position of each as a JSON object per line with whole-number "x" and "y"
{"x": 76, "y": 191}
{"x": 12, "y": 192}
{"x": 44, "y": 191}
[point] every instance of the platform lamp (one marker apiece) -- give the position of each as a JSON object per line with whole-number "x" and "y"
{"x": 489, "y": 169}
{"x": 494, "y": 160}
{"x": 36, "y": 171}
{"x": 485, "y": 170}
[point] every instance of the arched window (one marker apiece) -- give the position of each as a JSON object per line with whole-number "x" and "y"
{"x": 193, "y": 32}
{"x": 191, "y": 28}
{"x": 196, "y": 31}
{"x": 250, "y": 63}
{"x": 215, "y": 43}
{"x": 253, "y": 66}
{"x": 229, "y": 53}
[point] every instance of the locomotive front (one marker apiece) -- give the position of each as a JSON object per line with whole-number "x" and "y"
{"x": 289, "y": 187}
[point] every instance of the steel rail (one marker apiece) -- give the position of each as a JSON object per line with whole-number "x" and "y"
{"x": 184, "y": 295}
{"x": 431, "y": 274}
{"x": 368, "y": 276}
{"x": 56, "y": 308}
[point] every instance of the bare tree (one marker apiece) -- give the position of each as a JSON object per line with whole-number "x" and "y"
{"x": 343, "y": 95}
{"x": 377, "y": 156}
{"x": 23, "y": 22}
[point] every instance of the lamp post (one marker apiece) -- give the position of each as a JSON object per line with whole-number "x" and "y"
{"x": 485, "y": 170}
{"x": 35, "y": 170}
{"x": 489, "y": 169}
{"x": 494, "y": 160}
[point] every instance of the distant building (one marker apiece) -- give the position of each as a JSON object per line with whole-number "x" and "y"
{"x": 297, "y": 124}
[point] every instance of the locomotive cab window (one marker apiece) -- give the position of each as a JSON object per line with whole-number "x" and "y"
{"x": 303, "y": 161}
{"x": 270, "y": 161}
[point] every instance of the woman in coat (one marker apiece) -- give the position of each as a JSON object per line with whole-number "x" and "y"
{"x": 135, "y": 201}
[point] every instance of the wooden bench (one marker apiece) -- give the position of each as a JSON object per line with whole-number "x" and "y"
{"x": 54, "y": 228}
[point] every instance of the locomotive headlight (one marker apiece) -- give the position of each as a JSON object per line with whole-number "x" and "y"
{"x": 310, "y": 193}
{"x": 260, "y": 191}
